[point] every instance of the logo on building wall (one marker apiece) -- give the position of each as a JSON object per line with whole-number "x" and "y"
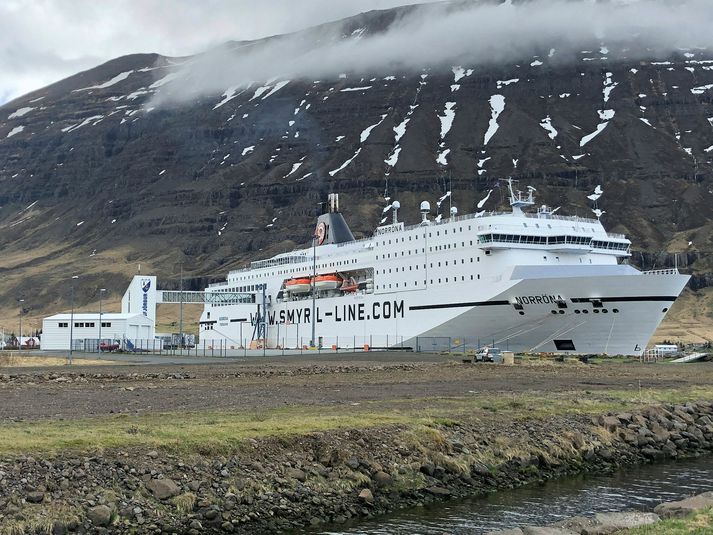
{"x": 145, "y": 287}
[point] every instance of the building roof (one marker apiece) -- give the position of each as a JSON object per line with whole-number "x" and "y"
{"x": 106, "y": 316}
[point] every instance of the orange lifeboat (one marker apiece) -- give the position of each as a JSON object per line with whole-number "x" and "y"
{"x": 299, "y": 285}
{"x": 329, "y": 281}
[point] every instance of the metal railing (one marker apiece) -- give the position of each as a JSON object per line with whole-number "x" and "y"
{"x": 669, "y": 271}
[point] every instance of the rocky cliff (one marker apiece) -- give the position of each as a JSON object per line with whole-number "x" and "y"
{"x": 100, "y": 173}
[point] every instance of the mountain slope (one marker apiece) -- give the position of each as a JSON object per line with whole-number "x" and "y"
{"x": 100, "y": 173}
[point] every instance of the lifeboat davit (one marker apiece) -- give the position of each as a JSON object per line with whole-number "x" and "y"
{"x": 349, "y": 286}
{"x": 330, "y": 281}
{"x": 299, "y": 285}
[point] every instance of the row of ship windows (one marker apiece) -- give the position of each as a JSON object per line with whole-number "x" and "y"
{"x": 419, "y": 236}
{"x": 410, "y": 268}
{"x": 415, "y": 284}
{"x": 423, "y": 250}
{"x": 552, "y": 240}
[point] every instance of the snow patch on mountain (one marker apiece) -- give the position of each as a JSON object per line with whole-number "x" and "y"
{"x": 609, "y": 86}
{"x": 459, "y": 73}
{"x": 345, "y": 164}
{"x": 367, "y": 131}
{"x": 15, "y": 131}
{"x": 94, "y": 119}
{"x": 20, "y": 112}
{"x": 276, "y": 88}
{"x": 229, "y": 95}
{"x": 393, "y": 158}
{"x": 118, "y": 78}
{"x": 442, "y": 158}
{"x": 502, "y": 83}
{"x": 701, "y": 89}
{"x": 447, "y": 118}
{"x": 605, "y": 116}
{"x": 497, "y": 105}
{"x": 349, "y": 89}
{"x": 546, "y": 123}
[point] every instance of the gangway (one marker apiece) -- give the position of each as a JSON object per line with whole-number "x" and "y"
{"x": 694, "y": 357}
{"x": 191, "y": 297}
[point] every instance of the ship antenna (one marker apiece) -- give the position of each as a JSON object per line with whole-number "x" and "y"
{"x": 395, "y": 206}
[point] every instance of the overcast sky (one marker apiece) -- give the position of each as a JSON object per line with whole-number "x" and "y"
{"x": 42, "y": 41}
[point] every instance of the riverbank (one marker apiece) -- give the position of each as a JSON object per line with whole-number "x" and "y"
{"x": 274, "y": 484}
{"x": 693, "y": 514}
{"x": 304, "y": 466}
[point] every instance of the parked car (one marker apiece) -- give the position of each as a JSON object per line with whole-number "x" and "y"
{"x": 488, "y": 354}
{"x": 109, "y": 346}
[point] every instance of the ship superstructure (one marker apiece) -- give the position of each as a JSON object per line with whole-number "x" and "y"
{"x": 526, "y": 281}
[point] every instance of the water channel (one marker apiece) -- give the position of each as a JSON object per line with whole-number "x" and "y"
{"x": 639, "y": 488}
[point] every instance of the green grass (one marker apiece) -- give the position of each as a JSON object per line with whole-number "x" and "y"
{"x": 700, "y": 523}
{"x": 217, "y": 432}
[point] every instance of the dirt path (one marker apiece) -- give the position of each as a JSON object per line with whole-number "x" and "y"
{"x": 87, "y": 391}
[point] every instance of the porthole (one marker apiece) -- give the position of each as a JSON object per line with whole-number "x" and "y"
{"x": 596, "y": 311}
{"x": 585, "y": 311}
{"x": 561, "y": 311}
{"x": 577, "y": 312}
{"x": 604, "y": 311}
{"x": 554, "y": 312}
{"x": 521, "y": 313}
{"x": 615, "y": 310}
{"x": 665, "y": 310}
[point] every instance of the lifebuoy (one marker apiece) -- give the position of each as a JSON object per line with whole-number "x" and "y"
{"x": 321, "y": 233}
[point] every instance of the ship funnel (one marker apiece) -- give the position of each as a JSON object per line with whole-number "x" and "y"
{"x": 333, "y": 203}
{"x": 425, "y": 208}
{"x": 395, "y": 207}
{"x": 331, "y": 226}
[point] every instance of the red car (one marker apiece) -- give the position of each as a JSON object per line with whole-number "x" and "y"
{"x": 108, "y": 346}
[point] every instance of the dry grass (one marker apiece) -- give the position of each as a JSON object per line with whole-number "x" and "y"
{"x": 184, "y": 502}
{"x": 689, "y": 319}
{"x": 13, "y": 360}
{"x": 39, "y": 519}
{"x": 700, "y": 523}
{"x": 210, "y": 431}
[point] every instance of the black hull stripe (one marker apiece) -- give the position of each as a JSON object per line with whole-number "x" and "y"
{"x": 669, "y": 298}
{"x": 460, "y": 305}
{"x": 659, "y": 298}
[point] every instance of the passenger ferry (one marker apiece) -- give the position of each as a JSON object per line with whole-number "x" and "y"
{"x": 527, "y": 281}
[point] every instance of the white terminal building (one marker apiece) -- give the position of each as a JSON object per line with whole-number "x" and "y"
{"x": 136, "y": 321}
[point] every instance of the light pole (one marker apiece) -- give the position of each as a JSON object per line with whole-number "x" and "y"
{"x": 101, "y": 293}
{"x": 314, "y": 296}
{"x": 180, "y": 311}
{"x": 19, "y": 342}
{"x": 71, "y": 322}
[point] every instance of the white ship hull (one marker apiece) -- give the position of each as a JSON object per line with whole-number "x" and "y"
{"x": 632, "y": 306}
{"x": 535, "y": 283}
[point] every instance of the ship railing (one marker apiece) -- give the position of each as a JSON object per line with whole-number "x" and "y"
{"x": 669, "y": 271}
{"x": 271, "y": 262}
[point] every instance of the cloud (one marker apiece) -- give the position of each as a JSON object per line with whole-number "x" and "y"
{"x": 42, "y": 41}
{"x": 457, "y": 33}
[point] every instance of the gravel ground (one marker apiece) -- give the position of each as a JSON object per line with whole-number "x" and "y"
{"x": 326, "y": 380}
